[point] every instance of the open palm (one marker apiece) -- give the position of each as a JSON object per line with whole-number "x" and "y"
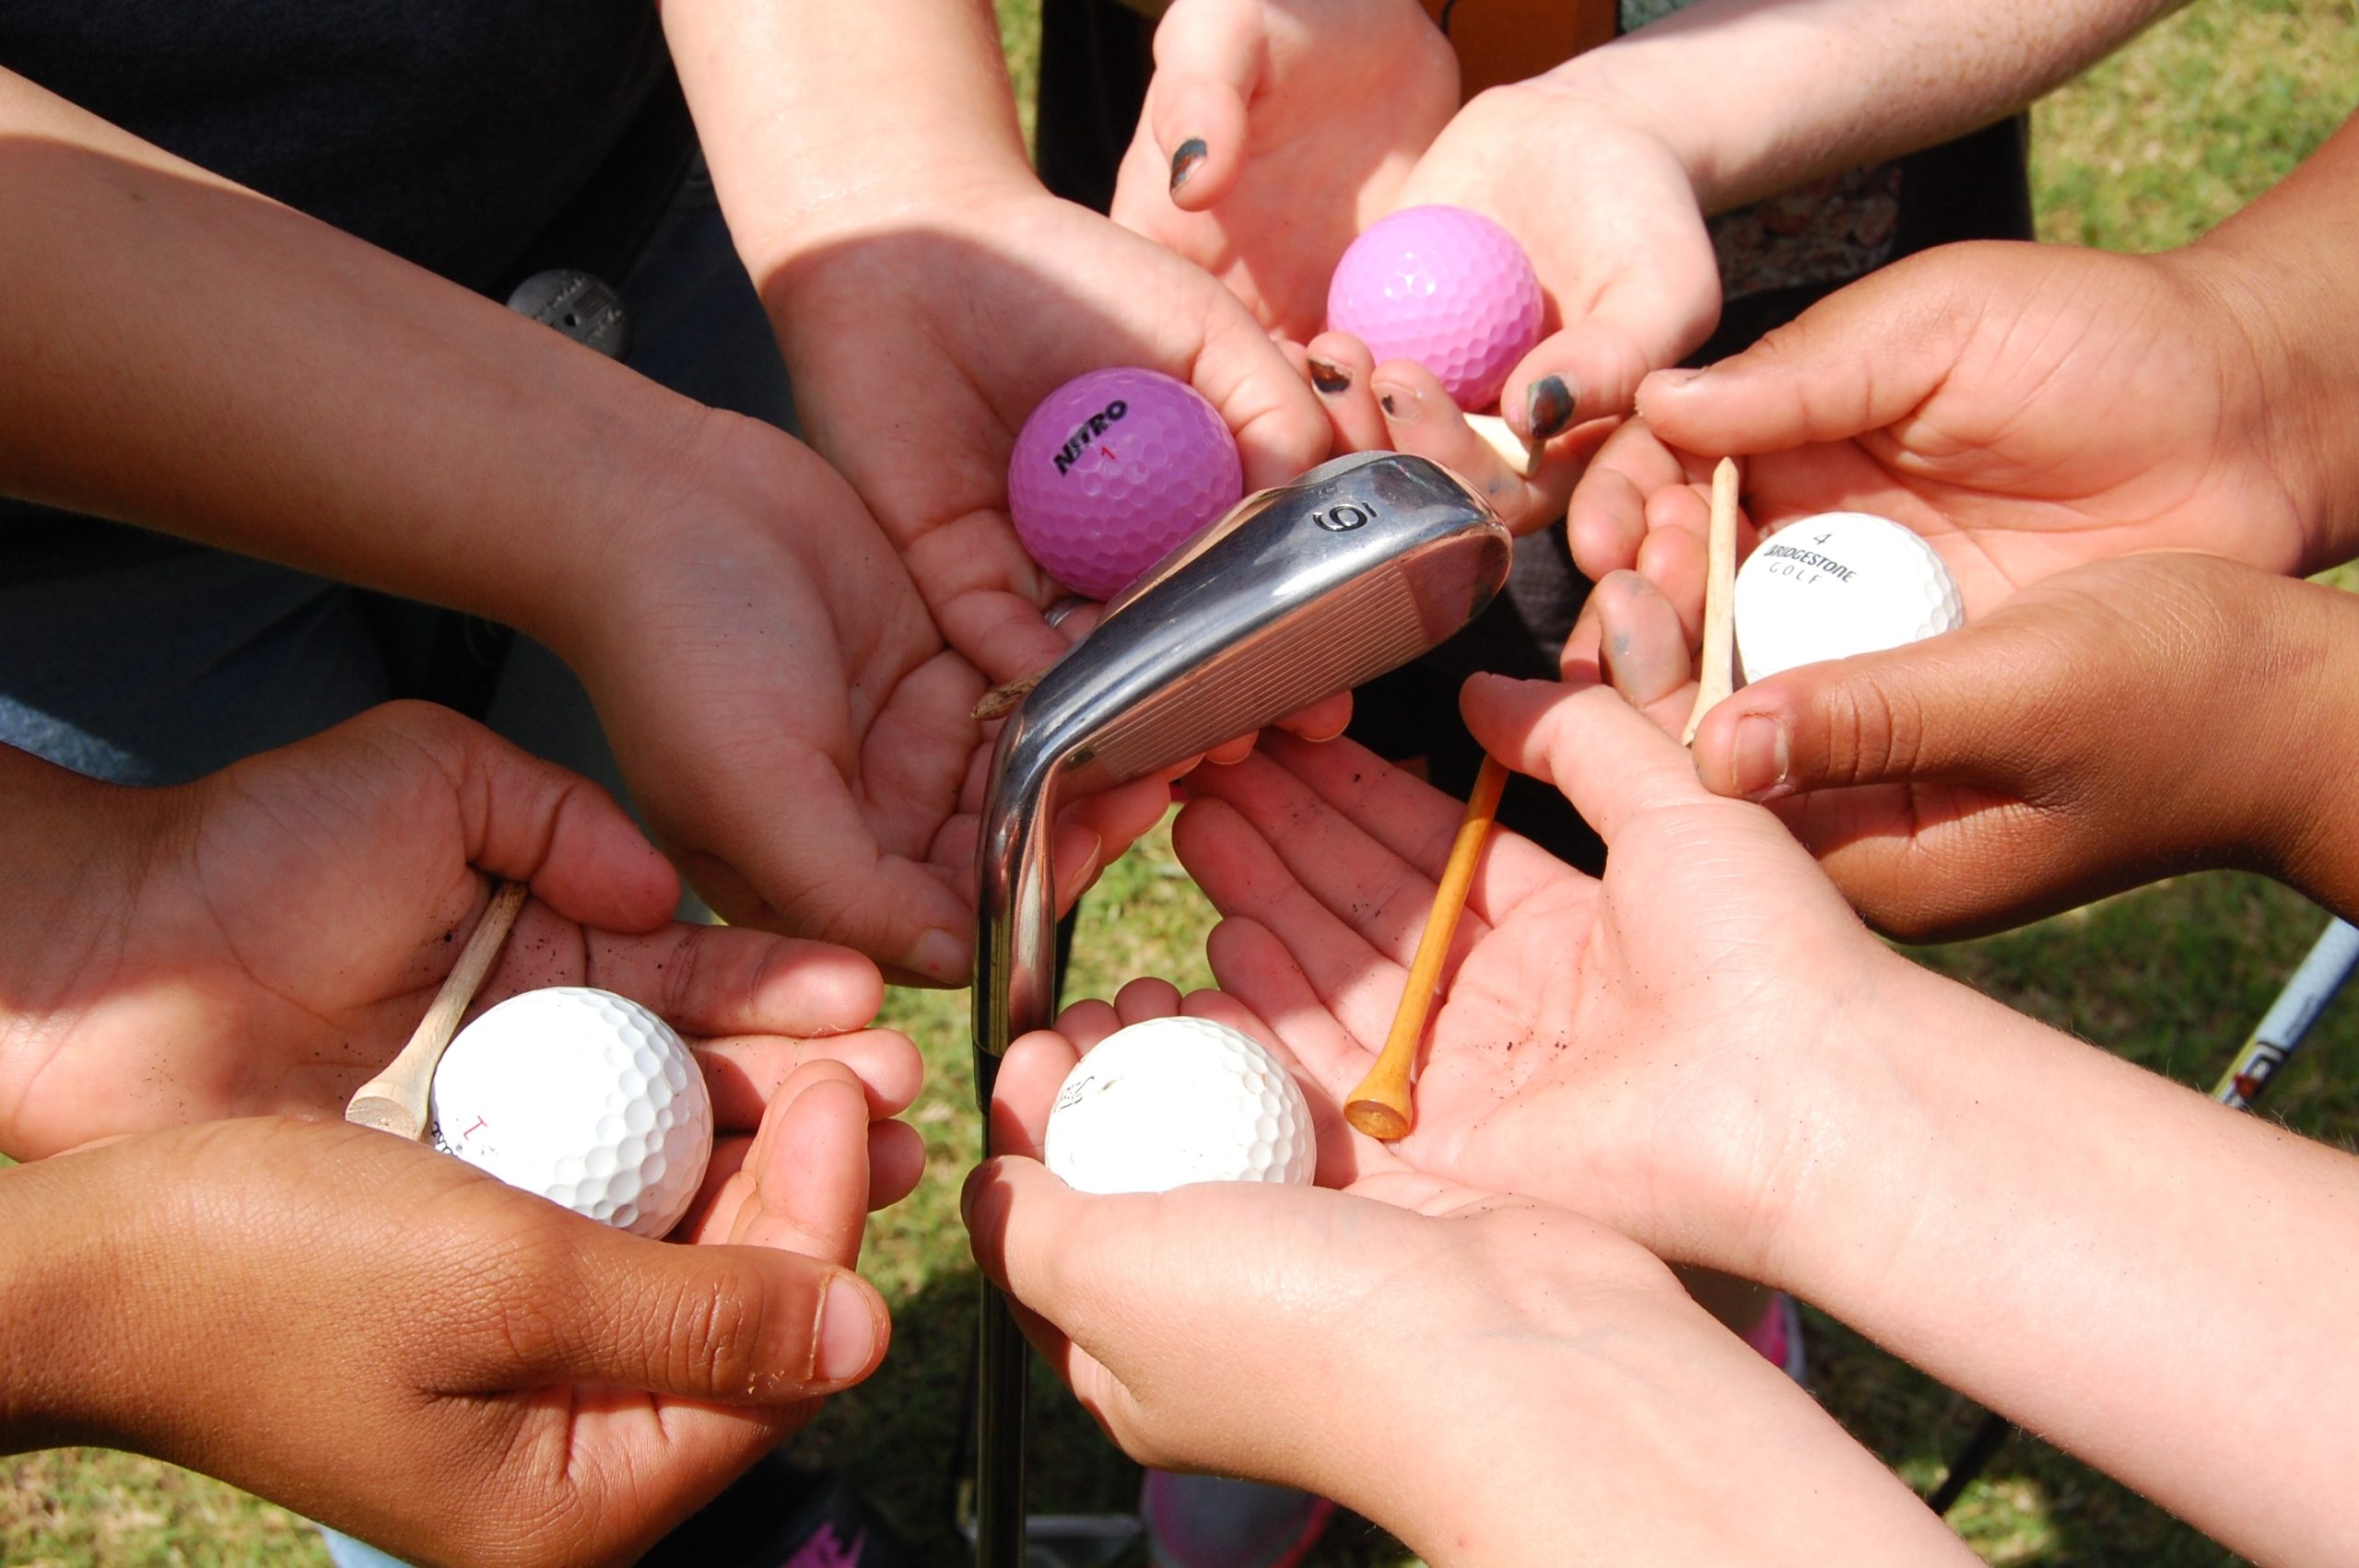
{"x": 1630, "y": 1047}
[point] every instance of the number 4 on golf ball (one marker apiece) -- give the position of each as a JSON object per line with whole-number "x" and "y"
{"x": 1838, "y": 584}
{"x": 1179, "y": 1100}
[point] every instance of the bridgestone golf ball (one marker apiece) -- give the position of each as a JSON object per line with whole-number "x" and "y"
{"x": 1113, "y": 471}
{"x": 1446, "y": 287}
{"x": 1179, "y": 1100}
{"x": 1838, "y": 584}
{"x": 583, "y": 1096}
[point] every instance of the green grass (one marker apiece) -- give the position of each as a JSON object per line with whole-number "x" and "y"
{"x": 69, "y": 1507}
{"x": 2214, "y": 105}
{"x": 2205, "y": 112}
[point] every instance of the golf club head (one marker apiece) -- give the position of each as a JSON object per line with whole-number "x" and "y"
{"x": 1299, "y": 593}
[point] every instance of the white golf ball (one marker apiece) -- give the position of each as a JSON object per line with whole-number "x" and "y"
{"x": 1838, "y": 584}
{"x": 1179, "y": 1100}
{"x": 583, "y": 1096}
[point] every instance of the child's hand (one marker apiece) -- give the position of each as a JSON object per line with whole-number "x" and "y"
{"x": 263, "y": 941}
{"x": 1274, "y": 131}
{"x": 2026, "y": 408}
{"x": 1483, "y": 1374}
{"x": 1609, "y": 215}
{"x": 390, "y": 1342}
{"x": 2112, "y": 724}
{"x": 1634, "y": 1048}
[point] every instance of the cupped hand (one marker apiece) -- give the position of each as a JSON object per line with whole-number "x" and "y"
{"x": 1480, "y": 1374}
{"x": 1222, "y": 1255}
{"x": 921, "y": 338}
{"x": 1655, "y": 1049}
{"x": 264, "y": 940}
{"x": 1609, "y": 215}
{"x": 2009, "y": 770}
{"x": 2026, "y": 408}
{"x": 1274, "y": 131}
{"x": 392, "y": 1343}
{"x": 787, "y": 716}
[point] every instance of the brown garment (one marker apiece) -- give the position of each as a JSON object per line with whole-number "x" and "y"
{"x": 1506, "y": 41}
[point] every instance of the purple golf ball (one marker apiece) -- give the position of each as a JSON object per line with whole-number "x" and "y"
{"x": 1446, "y": 287}
{"x": 1114, "y": 470}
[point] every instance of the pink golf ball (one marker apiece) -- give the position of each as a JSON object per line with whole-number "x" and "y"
{"x": 1114, "y": 470}
{"x": 1446, "y": 287}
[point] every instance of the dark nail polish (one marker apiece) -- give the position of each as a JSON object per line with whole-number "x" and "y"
{"x": 1400, "y": 404}
{"x": 1183, "y": 162}
{"x": 1331, "y": 378}
{"x": 1548, "y": 407}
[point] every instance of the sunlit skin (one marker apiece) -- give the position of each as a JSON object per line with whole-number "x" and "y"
{"x": 1709, "y": 1052}
{"x": 1720, "y": 104}
{"x": 2113, "y": 453}
{"x": 196, "y": 977}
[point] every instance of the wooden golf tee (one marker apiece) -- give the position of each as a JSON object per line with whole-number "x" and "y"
{"x": 396, "y": 1100}
{"x": 1715, "y": 669}
{"x": 1380, "y": 1105}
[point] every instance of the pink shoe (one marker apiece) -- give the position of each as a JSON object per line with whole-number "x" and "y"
{"x": 1209, "y": 1522}
{"x": 1779, "y": 1338}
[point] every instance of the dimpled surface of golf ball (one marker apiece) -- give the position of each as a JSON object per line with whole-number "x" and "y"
{"x": 583, "y": 1096}
{"x": 1113, "y": 471}
{"x": 1838, "y": 584}
{"x": 1179, "y": 1100}
{"x": 1446, "y": 287}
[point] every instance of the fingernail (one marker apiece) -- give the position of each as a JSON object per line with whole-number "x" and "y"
{"x": 940, "y": 954}
{"x": 1184, "y": 162}
{"x": 1331, "y": 378}
{"x": 1674, "y": 380}
{"x": 1761, "y": 757}
{"x": 967, "y": 1190}
{"x": 1547, "y": 407}
{"x": 1400, "y": 404}
{"x": 1091, "y": 864}
{"x": 847, "y": 1336}
{"x": 1644, "y": 671}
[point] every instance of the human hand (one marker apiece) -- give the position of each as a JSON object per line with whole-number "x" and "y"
{"x": 2026, "y": 408}
{"x": 1559, "y": 167}
{"x": 1634, "y": 1048}
{"x": 788, "y": 718}
{"x": 526, "y": 1386}
{"x": 2011, "y": 769}
{"x": 1704, "y": 1052}
{"x": 264, "y": 940}
{"x": 1557, "y": 1380}
{"x": 1273, "y": 131}
{"x": 1045, "y": 291}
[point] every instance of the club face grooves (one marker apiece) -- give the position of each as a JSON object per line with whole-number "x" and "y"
{"x": 1300, "y": 593}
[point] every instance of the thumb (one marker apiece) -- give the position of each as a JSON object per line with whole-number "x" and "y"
{"x": 1208, "y": 58}
{"x": 1593, "y": 366}
{"x": 1993, "y": 704}
{"x": 1858, "y": 360}
{"x": 730, "y": 1325}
